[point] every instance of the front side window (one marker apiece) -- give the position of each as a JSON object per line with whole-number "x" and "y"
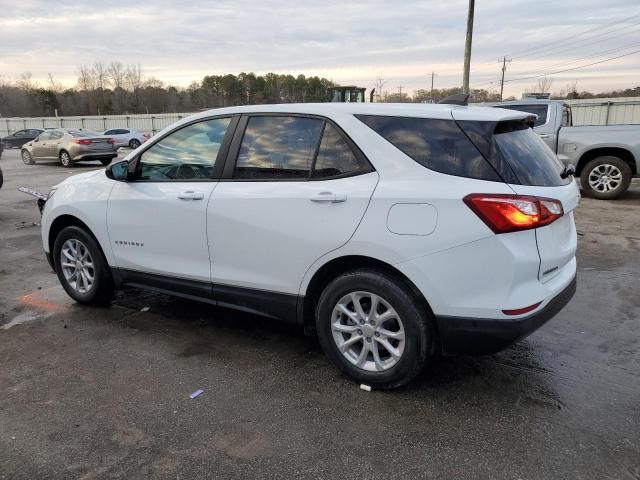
{"x": 57, "y": 134}
{"x": 21, "y": 133}
{"x": 110, "y": 132}
{"x": 278, "y": 147}
{"x": 436, "y": 144}
{"x": 44, "y": 136}
{"x": 186, "y": 154}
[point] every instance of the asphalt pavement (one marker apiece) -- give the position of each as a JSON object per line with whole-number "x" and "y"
{"x": 104, "y": 392}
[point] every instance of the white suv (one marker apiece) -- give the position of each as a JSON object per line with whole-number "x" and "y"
{"x": 396, "y": 232}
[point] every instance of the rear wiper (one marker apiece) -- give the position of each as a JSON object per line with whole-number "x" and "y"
{"x": 568, "y": 170}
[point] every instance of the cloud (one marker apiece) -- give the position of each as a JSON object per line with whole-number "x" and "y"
{"x": 349, "y": 42}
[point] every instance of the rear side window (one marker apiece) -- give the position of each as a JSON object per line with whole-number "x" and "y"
{"x": 537, "y": 109}
{"x": 335, "y": 156}
{"x": 439, "y": 145}
{"x": 278, "y": 147}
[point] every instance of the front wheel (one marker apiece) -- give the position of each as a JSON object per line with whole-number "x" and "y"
{"x": 373, "y": 330}
{"x": 81, "y": 267}
{"x": 27, "y": 159}
{"x": 65, "y": 159}
{"x": 606, "y": 178}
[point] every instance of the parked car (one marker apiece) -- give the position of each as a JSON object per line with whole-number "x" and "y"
{"x": 393, "y": 231}
{"x": 19, "y": 138}
{"x": 127, "y": 137}
{"x": 606, "y": 157}
{"x": 69, "y": 146}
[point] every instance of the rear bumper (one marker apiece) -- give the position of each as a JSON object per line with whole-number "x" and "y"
{"x": 484, "y": 336}
{"x": 94, "y": 155}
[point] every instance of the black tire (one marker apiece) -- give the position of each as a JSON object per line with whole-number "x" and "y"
{"x": 65, "y": 159}
{"x": 105, "y": 161}
{"x": 134, "y": 143}
{"x": 417, "y": 322}
{"x": 597, "y": 167}
{"x": 27, "y": 158}
{"x": 102, "y": 289}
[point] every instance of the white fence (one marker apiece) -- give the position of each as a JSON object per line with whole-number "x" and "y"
{"x": 605, "y": 111}
{"x": 595, "y": 111}
{"x": 145, "y": 123}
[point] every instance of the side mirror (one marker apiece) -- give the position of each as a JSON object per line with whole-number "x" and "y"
{"x": 118, "y": 171}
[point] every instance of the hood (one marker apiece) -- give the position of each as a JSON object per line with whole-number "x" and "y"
{"x": 82, "y": 177}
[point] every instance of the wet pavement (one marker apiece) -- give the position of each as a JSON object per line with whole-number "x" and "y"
{"x": 104, "y": 393}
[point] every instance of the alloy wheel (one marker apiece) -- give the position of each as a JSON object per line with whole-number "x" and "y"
{"x": 605, "y": 178}
{"x": 77, "y": 265}
{"x": 368, "y": 331}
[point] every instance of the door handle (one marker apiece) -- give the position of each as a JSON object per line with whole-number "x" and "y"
{"x": 328, "y": 197}
{"x": 543, "y": 135}
{"x": 191, "y": 195}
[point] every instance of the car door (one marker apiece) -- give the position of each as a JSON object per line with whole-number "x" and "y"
{"x": 52, "y": 145}
{"x": 19, "y": 138}
{"x": 40, "y": 145}
{"x": 293, "y": 189}
{"x": 157, "y": 220}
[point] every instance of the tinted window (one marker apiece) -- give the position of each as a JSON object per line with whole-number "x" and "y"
{"x": 56, "y": 135}
{"x": 186, "y": 154}
{"x": 34, "y": 133}
{"x": 20, "y": 133}
{"x": 83, "y": 133}
{"x": 278, "y": 147}
{"x": 529, "y": 157}
{"x": 110, "y": 132}
{"x": 44, "y": 136}
{"x": 540, "y": 110}
{"x": 335, "y": 157}
{"x": 439, "y": 145}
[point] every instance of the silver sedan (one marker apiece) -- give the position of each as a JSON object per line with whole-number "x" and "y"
{"x": 69, "y": 146}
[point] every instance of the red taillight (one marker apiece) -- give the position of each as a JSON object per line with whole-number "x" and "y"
{"x": 82, "y": 141}
{"x": 505, "y": 213}
{"x": 520, "y": 311}
{"x": 110, "y": 141}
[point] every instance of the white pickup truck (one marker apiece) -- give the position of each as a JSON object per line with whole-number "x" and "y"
{"x": 606, "y": 157}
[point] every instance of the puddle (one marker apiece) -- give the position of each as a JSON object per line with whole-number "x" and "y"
{"x": 23, "y": 317}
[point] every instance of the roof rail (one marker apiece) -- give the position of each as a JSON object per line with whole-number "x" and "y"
{"x": 457, "y": 99}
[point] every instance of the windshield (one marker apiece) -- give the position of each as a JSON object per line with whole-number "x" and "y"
{"x": 537, "y": 109}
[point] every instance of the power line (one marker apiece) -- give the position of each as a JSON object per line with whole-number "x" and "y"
{"x": 569, "y": 47}
{"x": 593, "y": 56}
{"x": 574, "y": 68}
{"x": 529, "y": 51}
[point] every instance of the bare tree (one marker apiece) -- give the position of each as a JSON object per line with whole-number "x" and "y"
{"x": 100, "y": 75}
{"x": 134, "y": 78}
{"x": 116, "y": 75}
{"x": 544, "y": 84}
{"x": 85, "y": 78}
{"x": 54, "y": 85}
{"x": 25, "y": 82}
{"x": 380, "y": 83}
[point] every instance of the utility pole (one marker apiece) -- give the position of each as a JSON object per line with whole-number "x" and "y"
{"x": 433, "y": 74}
{"x": 467, "y": 48}
{"x": 504, "y": 69}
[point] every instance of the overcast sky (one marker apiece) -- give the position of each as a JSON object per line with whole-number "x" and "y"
{"x": 346, "y": 41}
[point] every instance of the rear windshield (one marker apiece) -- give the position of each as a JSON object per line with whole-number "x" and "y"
{"x": 532, "y": 162}
{"x": 83, "y": 133}
{"x": 540, "y": 110}
{"x": 439, "y": 145}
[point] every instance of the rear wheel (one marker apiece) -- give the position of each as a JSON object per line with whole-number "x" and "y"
{"x": 81, "y": 267}
{"x": 373, "y": 330}
{"x": 606, "y": 177}
{"x": 134, "y": 143}
{"x": 65, "y": 159}
{"x": 27, "y": 158}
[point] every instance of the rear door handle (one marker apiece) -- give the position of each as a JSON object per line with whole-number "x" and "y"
{"x": 543, "y": 135}
{"x": 328, "y": 197}
{"x": 191, "y": 195}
